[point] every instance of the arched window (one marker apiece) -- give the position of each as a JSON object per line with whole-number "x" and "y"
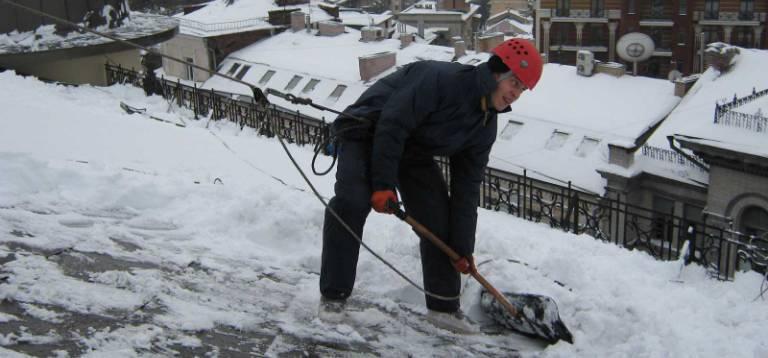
{"x": 754, "y": 221}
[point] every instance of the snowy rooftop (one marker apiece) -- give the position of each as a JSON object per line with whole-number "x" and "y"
{"x": 313, "y": 66}
{"x": 358, "y": 18}
{"x": 560, "y": 131}
{"x": 44, "y": 38}
{"x": 117, "y": 239}
{"x": 430, "y": 7}
{"x": 218, "y": 18}
{"x": 694, "y": 116}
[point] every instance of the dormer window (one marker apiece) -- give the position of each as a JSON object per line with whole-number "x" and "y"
{"x": 267, "y": 76}
{"x": 242, "y": 72}
{"x": 234, "y": 68}
{"x": 293, "y": 82}
{"x": 510, "y": 130}
{"x": 557, "y": 140}
{"x": 337, "y": 92}
{"x": 587, "y": 146}
{"x": 310, "y": 86}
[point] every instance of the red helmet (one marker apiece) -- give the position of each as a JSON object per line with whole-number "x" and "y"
{"x": 523, "y": 60}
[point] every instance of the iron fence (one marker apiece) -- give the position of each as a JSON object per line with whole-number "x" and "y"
{"x": 224, "y": 26}
{"x": 667, "y": 155}
{"x": 725, "y": 114}
{"x": 609, "y": 218}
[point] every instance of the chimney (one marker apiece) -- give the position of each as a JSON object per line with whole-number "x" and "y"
{"x": 297, "y": 21}
{"x": 373, "y": 65}
{"x": 684, "y": 84}
{"x": 459, "y": 48}
{"x": 405, "y": 40}
{"x": 330, "y": 28}
{"x": 614, "y": 69}
{"x": 453, "y": 5}
{"x": 371, "y": 33}
{"x": 487, "y": 42}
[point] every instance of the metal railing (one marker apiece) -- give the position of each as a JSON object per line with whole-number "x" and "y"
{"x": 224, "y": 26}
{"x": 609, "y": 218}
{"x": 670, "y": 156}
{"x": 725, "y": 114}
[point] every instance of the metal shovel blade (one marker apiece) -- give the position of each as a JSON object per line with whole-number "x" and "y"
{"x": 538, "y": 316}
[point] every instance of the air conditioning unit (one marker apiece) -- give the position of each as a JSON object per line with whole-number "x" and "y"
{"x": 585, "y": 63}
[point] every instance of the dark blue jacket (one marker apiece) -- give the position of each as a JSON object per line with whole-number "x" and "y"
{"x": 433, "y": 108}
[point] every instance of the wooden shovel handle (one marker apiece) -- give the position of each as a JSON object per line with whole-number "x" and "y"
{"x": 421, "y": 229}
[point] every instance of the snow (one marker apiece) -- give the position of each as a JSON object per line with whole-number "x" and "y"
{"x": 239, "y": 16}
{"x": 78, "y": 175}
{"x": 335, "y": 61}
{"x": 694, "y": 116}
{"x": 600, "y": 108}
{"x": 45, "y": 38}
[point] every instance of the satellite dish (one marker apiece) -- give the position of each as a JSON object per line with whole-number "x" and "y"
{"x": 635, "y": 47}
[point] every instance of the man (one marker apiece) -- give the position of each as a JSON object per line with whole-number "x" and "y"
{"x": 423, "y": 110}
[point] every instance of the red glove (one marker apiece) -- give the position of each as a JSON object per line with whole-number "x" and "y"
{"x": 464, "y": 265}
{"x": 380, "y": 200}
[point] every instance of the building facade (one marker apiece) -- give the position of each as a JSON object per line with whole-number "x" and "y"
{"x": 680, "y": 29}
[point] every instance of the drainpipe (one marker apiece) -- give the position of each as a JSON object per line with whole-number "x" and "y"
{"x": 693, "y": 160}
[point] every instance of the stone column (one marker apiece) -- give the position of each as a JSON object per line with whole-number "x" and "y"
{"x": 546, "y": 26}
{"x": 612, "y": 26}
{"x": 579, "y": 32}
{"x": 727, "y": 31}
{"x": 697, "y": 62}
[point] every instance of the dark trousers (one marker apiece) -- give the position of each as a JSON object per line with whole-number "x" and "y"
{"x": 425, "y": 196}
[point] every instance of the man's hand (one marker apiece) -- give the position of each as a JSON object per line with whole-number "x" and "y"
{"x": 464, "y": 265}
{"x": 380, "y": 200}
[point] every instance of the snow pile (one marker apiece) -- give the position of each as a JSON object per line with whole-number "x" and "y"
{"x": 244, "y": 254}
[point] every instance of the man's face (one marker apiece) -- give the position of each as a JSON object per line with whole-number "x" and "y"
{"x": 507, "y": 91}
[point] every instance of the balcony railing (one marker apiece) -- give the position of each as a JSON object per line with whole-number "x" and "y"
{"x": 609, "y": 218}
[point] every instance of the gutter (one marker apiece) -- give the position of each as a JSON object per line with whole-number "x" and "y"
{"x": 693, "y": 160}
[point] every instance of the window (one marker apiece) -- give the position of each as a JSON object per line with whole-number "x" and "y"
{"x": 747, "y": 10}
{"x": 310, "y": 86}
{"x": 510, "y": 130}
{"x": 293, "y": 82}
{"x": 242, "y": 72}
{"x": 657, "y": 9}
{"x": 190, "y": 71}
{"x": 557, "y": 140}
{"x": 663, "y": 211}
{"x": 683, "y": 7}
{"x": 711, "y": 9}
{"x": 744, "y": 37}
{"x": 586, "y": 146}
{"x": 267, "y": 76}
{"x": 630, "y": 6}
{"x": 337, "y": 92}
{"x": 598, "y": 8}
{"x": 754, "y": 221}
{"x": 563, "y": 8}
{"x": 233, "y": 68}
{"x": 682, "y": 37}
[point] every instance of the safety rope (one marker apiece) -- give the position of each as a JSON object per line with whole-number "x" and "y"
{"x": 260, "y": 98}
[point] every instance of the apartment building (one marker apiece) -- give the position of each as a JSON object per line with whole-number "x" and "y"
{"x": 680, "y": 29}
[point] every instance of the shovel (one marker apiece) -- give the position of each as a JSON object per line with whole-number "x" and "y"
{"x": 529, "y": 314}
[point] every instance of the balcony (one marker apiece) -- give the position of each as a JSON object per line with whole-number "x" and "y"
{"x": 733, "y": 18}
{"x": 576, "y": 15}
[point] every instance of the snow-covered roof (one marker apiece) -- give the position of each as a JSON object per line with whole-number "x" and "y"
{"x": 45, "y": 38}
{"x": 560, "y": 131}
{"x": 218, "y": 18}
{"x": 361, "y": 18}
{"x": 430, "y": 7}
{"x": 315, "y": 66}
{"x": 694, "y": 116}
